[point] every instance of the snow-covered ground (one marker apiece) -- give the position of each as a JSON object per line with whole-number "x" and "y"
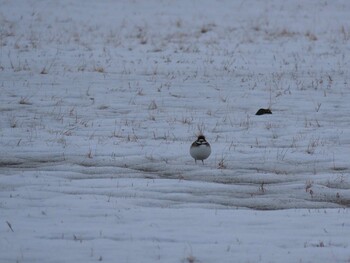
{"x": 100, "y": 101}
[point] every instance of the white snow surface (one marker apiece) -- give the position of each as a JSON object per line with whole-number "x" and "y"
{"x": 101, "y": 100}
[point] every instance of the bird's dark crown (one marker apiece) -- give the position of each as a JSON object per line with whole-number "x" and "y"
{"x": 201, "y": 137}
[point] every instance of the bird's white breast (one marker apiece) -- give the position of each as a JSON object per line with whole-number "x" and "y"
{"x": 200, "y": 152}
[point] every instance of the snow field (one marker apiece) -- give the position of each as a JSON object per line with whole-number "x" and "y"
{"x": 100, "y": 102}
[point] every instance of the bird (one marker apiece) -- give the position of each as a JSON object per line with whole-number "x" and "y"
{"x": 200, "y": 149}
{"x": 263, "y": 111}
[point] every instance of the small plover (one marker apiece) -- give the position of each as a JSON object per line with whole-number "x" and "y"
{"x": 200, "y": 149}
